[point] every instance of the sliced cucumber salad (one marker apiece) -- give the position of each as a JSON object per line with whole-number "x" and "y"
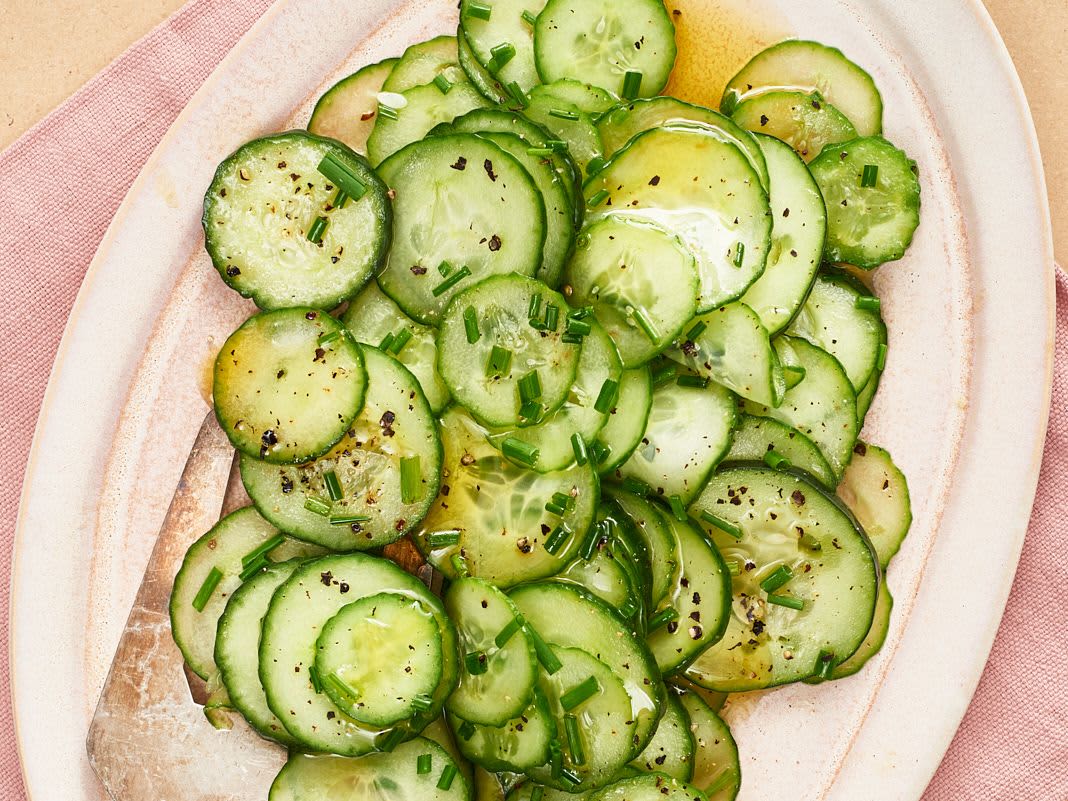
{"x": 597, "y": 361}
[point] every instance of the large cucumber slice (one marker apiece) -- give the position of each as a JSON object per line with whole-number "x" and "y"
{"x": 716, "y": 770}
{"x": 413, "y": 112}
{"x": 626, "y": 422}
{"x": 671, "y": 750}
{"x": 421, "y": 63}
{"x": 347, "y": 110}
{"x": 807, "y": 123}
{"x": 876, "y": 492}
{"x": 520, "y": 744}
{"x": 503, "y": 40}
{"x": 756, "y": 438}
{"x": 807, "y": 579}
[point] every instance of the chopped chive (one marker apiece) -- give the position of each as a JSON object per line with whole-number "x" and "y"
{"x": 252, "y": 568}
{"x": 733, "y": 567}
{"x": 794, "y": 374}
{"x": 459, "y": 565}
{"x": 880, "y": 358}
{"x": 572, "y": 339}
{"x": 555, "y": 541}
{"x": 677, "y": 508}
{"x": 580, "y": 693}
{"x": 479, "y": 10}
{"x": 262, "y": 550}
{"x": 545, "y": 654}
{"x": 329, "y": 338}
{"x": 632, "y": 84}
{"x": 318, "y": 228}
{"x": 531, "y": 412}
{"x": 316, "y": 682}
{"x": 529, "y": 18}
{"x": 471, "y": 325}
{"x": 607, "y": 397}
{"x": 563, "y": 114}
{"x": 787, "y": 601}
{"x": 776, "y": 579}
{"x": 870, "y": 176}
{"x": 868, "y": 303}
{"x": 342, "y": 177}
{"x": 347, "y": 520}
{"x": 569, "y": 776}
{"x": 411, "y": 479}
{"x": 720, "y": 783}
{"x": 317, "y": 506}
{"x": 342, "y": 686}
{"x": 500, "y": 361}
{"x": 450, "y": 282}
{"x": 534, "y": 307}
{"x": 444, "y": 84}
{"x": 664, "y": 374}
{"x": 399, "y": 341}
{"x": 386, "y": 343}
{"x": 530, "y": 386}
{"x": 424, "y": 764}
{"x": 629, "y": 607}
{"x": 537, "y": 794}
{"x": 422, "y": 702}
{"x": 443, "y": 539}
{"x": 541, "y": 152}
{"x": 698, "y": 329}
{"x": 597, "y": 199}
{"x": 776, "y": 461}
{"x": 574, "y": 740}
{"x": 825, "y": 665}
{"x": 207, "y": 588}
{"x": 517, "y": 93}
{"x": 501, "y": 55}
{"x": 578, "y": 445}
{"x": 388, "y": 112}
{"x": 646, "y": 325}
{"x": 589, "y": 545}
{"x": 637, "y": 487}
{"x": 466, "y": 730}
{"x": 444, "y": 269}
{"x": 505, "y": 634}
{"x": 519, "y": 451}
{"x": 340, "y": 199}
{"x": 557, "y": 145}
{"x": 333, "y": 485}
{"x": 692, "y": 381}
{"x": 447, "y": 775}
{"x": 739, "y": 254}
{"x": 563, "y": 499}
{"x": 599, "y": 452}
{"x": 583, "y": 313}
{"x": 476, "y": 663}
{"x": 723, "y": 525}
{"x": 577, "y": 327}
{"x": 552, "y": 316}
{"x": 556, "y": 759}
{"x": 663, "y": 617}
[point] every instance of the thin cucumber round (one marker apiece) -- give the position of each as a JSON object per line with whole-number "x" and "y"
{"x": 276, "y": 231}
{"x": 504, "y": 25}
{"x": 484, "y": 209}
{"x": 567, "y": 122}
{"x": 805, "y": 122}
{"x": 519, "y": 745}
{"x": 649, "y": 787}
{"x": 716, "y": 769}
{"x": 671, "y": 750}
{"x": 872, "y": 191}
{"x": 626, "y": 422}
{"x": 288, "y": 384}
{"x": 421, "y": 63}
{"x": 487, "y": 786}
{"x": 873, "y": 642}
{"x": 438, "y": 730}
{"x": 660, "y": 541}
{"x": 877, "y": 494}
{"x": 592, "y": 100}
{"x": 723, "y": 216}
{"x": 867, "y": 395}
{"x": 347, "y": 110}
{"x": 375, "y": 485}
{"x": 611, "y": 45}
{"x": 806, "y": 583}
{"x": 620, "y": 267}
{"x": 489, "y": 85}
{"x": 504, "y": 344}
{"x": 606, "y": 575}
{"x": 761, "y": 439}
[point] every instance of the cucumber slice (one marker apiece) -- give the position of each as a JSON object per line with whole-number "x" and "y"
{"x": 490, "y": 87}
{"x": 486, "y": 375}
{"x": 520, "y": 744}
{"x": 810, "y": 67}
{"x": 568, "y": 617}
{"x": 836, "y": 319}
{"x": 867, "y": 394}
{"x": 723, "y": 218}
{"x": 623, "y": 123}
{"x": 487, "y": 786}
{"x": 483, "y": 207}
{"x": 492, "y": 512}
{"x": 373, "y": 319}
{"x": 288, "y": 384}
{"x": 626, "y": 422}
{"x": 756, "y": 437}
{"x": 347, "y": 110}
{"x": 568, "y": 122}
{"x": 379, "y": 658}
{"x": 300, "y": 608}
{"x": 689, "y": 431}
{"x": 237, "y": 642}
{"x": 620, "y": 267}
{"x": 590, "y": 99}
{"x": 806, "y": 122}
{"x": 716, "y": 769}
{"x": 499, "y": 682}
{"x": 868, "y": 225}
{"x": 731, "y": 346}
{"x": 438, "y": 731}
{"x": 262, "y": 207}
{"x": 604, "y": 42}
{"x": 877, "y": 494}
{"x": 785, "y": 523}
{"x": 395, "y": 434}
{"x": 392, "y": 776}
{"x": 649, "y": 787}
{"x": 606, "y": 575}
{"x": 873, "y": 642}
{"x": 421, "y": 63}
{"x": 506, "y": 25}
{"x": 671, "y": 750}
{"x": 822, "y": 406}
{"x": 660, "y": 541}
{"x": 797, "y": 234}
{"x": 221, "y": 549}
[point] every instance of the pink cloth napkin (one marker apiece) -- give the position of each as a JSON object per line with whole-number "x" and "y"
{"x": 76, "y": 166}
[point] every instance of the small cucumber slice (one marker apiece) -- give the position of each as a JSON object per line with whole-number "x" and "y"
{"x": 485, "y": 210}
{"x": 421, "y": 63}
{"x": 487, "y": 786}
{"x": 592, "y": 100}
{"x": 877, "y": 494}
{"x": 490, "y": 87}
{"x": 671, "y": 750}
{"x": 347, "y": 110}
{"x": 603, "y": 42}
{"x": 265, "y": 205}
{"x": 626, "y": 422}
{"x": 506, "y": 25}
{"x": 731, "y": 346}
{"x": 805, "y": 122}
{"x": 521, "y": 744}
{"x": 716, "y": 769}
{"x": 620, "y": 267}
{"x": 496, "y": 681}
{"x": 870, "y": 221}
{"x": 660, "y": 540}
{"x": 873, "y": 643}
{"x": 568, "y": 122}
{"x": 757, "y": 437}
{"x": 649, "y": 787}
{"x": 810, "y": 67}
{"x": 723, "y": 216}
{"x": 800, "y": 548}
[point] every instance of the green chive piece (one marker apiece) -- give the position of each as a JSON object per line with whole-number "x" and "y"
{"x": 347, "y": 520}
{"x": 252, "y": 568}
{"x": 342, "y": 177}
{"x": 868, "y": 303}
{"x": 678, "y": 508}
{"x": 340, "y": 199}
{"x": 500, "y": 362}
{"x": 574, "y": 740}
{"x": 443, "y": 539}
{"x": 316, "y": 682}
{"x": 534, "y": 307}
{"x": 607, "y": 397}
{"x": 476, "y": 663}
{"x": 629, "y": 607}
{"x": 739, "y": 254}
{"x": 599, "y": 452}
{"x": 733, "y": 567}
{"x": 391, "y": 741}
{"x": 557, "y": 145}
{"x": 467, "y": 730}
{"x": 459, "y": 565}
{"x": 501, "y": 55}
{"x": 569, "y": 776}
{"x": 589, "y": 545}
{"x": 572, "y": 339}
{"x": 794, "y": 375}
{"x": 556, "y": 759}
{"x": 698, "y": 329}
{"x": 317, "y": 506}
{"x": 517, "y": 93}
{"x": 411, "y": 479}
{"x": 529, "y": 18}
{"x": 552, "y": 316}
{"x": 663, "y": 617}
{"x": 555, "y": 509}
{"x": 597, "y": 199}
{"x": 870, "y": 176}
{"x": 583, "y": 313}
{"x": 825, "y": 665}
{"x": 399, "y": 341}
{"x": 563, "y": 499}
{"x": 388, "y": 112}
{"x": 450, "y": 282}
{"x": 692, "y": 381}
{"x": 422, "y": 702}
{"x": 386, "y": 343}
{"x": 776, "y": 461}
{"x": 880, "y": 358}
{"x": 444, "y": 269}
{"x": 505, "y": 634}
{"x": 595, "y": 165}
{"x": 578, "y": 327}
{"x": 632, "y": 84}
{"x": 580, "y": 693}
{"x": 721, "y": 782}
{"x": 541, "y": 152}
{"x": 479, "y": 10}
{"x": 564, "y": 114}
{"x": 530, "y": 386}
{"x": 530, "y": 412}
{"x": 342, "y": 686}
{"x": 207, "y": 588}
{"x": 778, "y": 578}
{"x": 424, "y": 764}
{"x": 637, "y": 487}
{"x": 545, "y": 654}
{"x": 787, "y": 601}
{"x": 537, "y": 794}
{"x": 555, "y": 541}
{"x": 333, "y": 485}
{"x": 262, "y": 550}
{"x": 329, "y": 338}
{"x": 641, "y": 317}
{"x": 471, "y": 325}
{"x": 578, "y": 445}
{"x": 318, "y": 228}
{"x": 723, "y": 525}
{"x": 519, "y": 451}
{"x": 664, "y": 374}
{"x": 444, "y": 84}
